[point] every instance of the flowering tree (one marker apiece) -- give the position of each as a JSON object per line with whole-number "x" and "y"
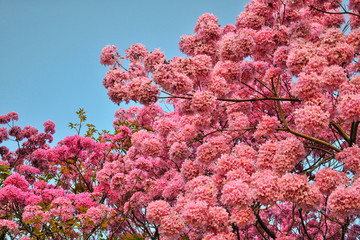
{"x": 261, "y": 143}
{"x": 54, "y": 193}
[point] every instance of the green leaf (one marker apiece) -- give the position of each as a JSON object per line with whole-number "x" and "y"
{"x": 2, "y": 167}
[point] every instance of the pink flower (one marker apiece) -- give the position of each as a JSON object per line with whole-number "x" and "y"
{"x": 153, "y": 59}
{"x": 10, "y": 224}
{"x": 228, "y": 70}
{"x": 265, "y": 185}
{"x": 11, "y": 193}
{"x": 190, "y": 169}
{"x": 266, "y": 126}
{"x": 195, "y": 213}
{"x": 141, "y": 90}
{"x": 249, "y": 20}
{"x": 207, "y": 27}
{"x": 171, "y": 80}
{"x": 151, "y": 147}
{"x": 265, "y": 41}
{"x": 174, "y": 187}
{"x": 307, "y": 86}
{"x": 136, "y": 52}
{"x": 297, "y": 59}
{"x": 289, "y": 152}
{"x": 354, "y": 4}
{"x": 332, "y": 37}
{"x": 247, "y": 71}
{"x": 179, "y": 151}
{"x": 220, "y": 236}
{"x": 97, "y": 214}
{"x": 341, "y": 54}
{"x": 218, "y": 219}
{"x": 199, "y": 182}
{"x": 243, "y": 218}
{"x": 235, "y": 47}
{"x": 238, "y": 121}
{"x": 327, "y": 180}
{"x": 351, "y": 157}
{"x": 171, "y": 226}
{"x": 210, "y": 151}
{"x": 206, "y": 193}
{"x": 293, "y": 187}
{"x": 316, "y": 64}
{"x": 311, "y": 119}
{"x": 157, "y": 210}
{"x": 49, "y": 127}
{"x": 13, "y": 116}
{"x": 237, "y": 194}
{"x": 34, "y": 214}
{"x": 25, "y": 238}
{"x": 4, "y": 119}
{"x": 203, "y": 102}
{"x": 108, "y": 55}
{"x": 218, "y": 86}
{"x": 344, "y": 201}
{"x": 3, "y": 134}
{"x": 266, "y": 155}
{"x": 228, "y": 163}
{"x": 353, "y": 39}
{"x": 61, "y": 208}
{"x": 18, "y": 181}
{"x": 349, "y": 107}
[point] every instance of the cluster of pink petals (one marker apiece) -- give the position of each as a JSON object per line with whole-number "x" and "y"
{"x": 236, "y": 193}
{"x": 203, "y": 102}
{"x": 243, "y": 218}
{"x": 136, "y": 52}
{"x": 266, "y": 126}
{"x": 351, "y": 157}
{"x": 344, "y": 201}
{"x": 236, "y": 46}
{"x": 327, "y": 180}
{"x": 349, "y": 107}
{"x": 8, "y": 117}
{"x": 108, "y": 55}
{"x": 212, "y": 150}
{"x": 311, "y": 119}
{"x": 207, "y": 27}
{"x": 9, "y": 224}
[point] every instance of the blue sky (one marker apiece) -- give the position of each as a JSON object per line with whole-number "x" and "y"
{"x": 49, "y": 51}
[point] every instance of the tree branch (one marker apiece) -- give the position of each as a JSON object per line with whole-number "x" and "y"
{"x": 353, "y": 133}
{"x": 340, "y": 131}
{"x": 263, "y": 226}
{"x": 303, "y": 224}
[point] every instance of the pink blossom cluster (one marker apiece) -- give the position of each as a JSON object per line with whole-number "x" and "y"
{"x": 108, "y": 55}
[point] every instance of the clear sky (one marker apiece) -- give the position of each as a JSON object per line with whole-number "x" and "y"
{"x": 49, "y": 51}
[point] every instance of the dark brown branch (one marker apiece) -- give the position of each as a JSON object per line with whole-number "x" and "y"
{"x": 344, "y": 229}
{"x": 353, "y": 133}
{"x": 260, "y": 231}
{"x": 262, "y": 94}
{"x": 318, "y": 148}
{"x": 340, "y": 131}
{"x": 259, "y": 99}
{"x": 314, "y": 140}
{"x": 293, "y": 219}
{"x": 89, "y": 187}
{"x": 263, "y": 226}
{"x": 323, "y": 11}
{"x": 303, "y": 224}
